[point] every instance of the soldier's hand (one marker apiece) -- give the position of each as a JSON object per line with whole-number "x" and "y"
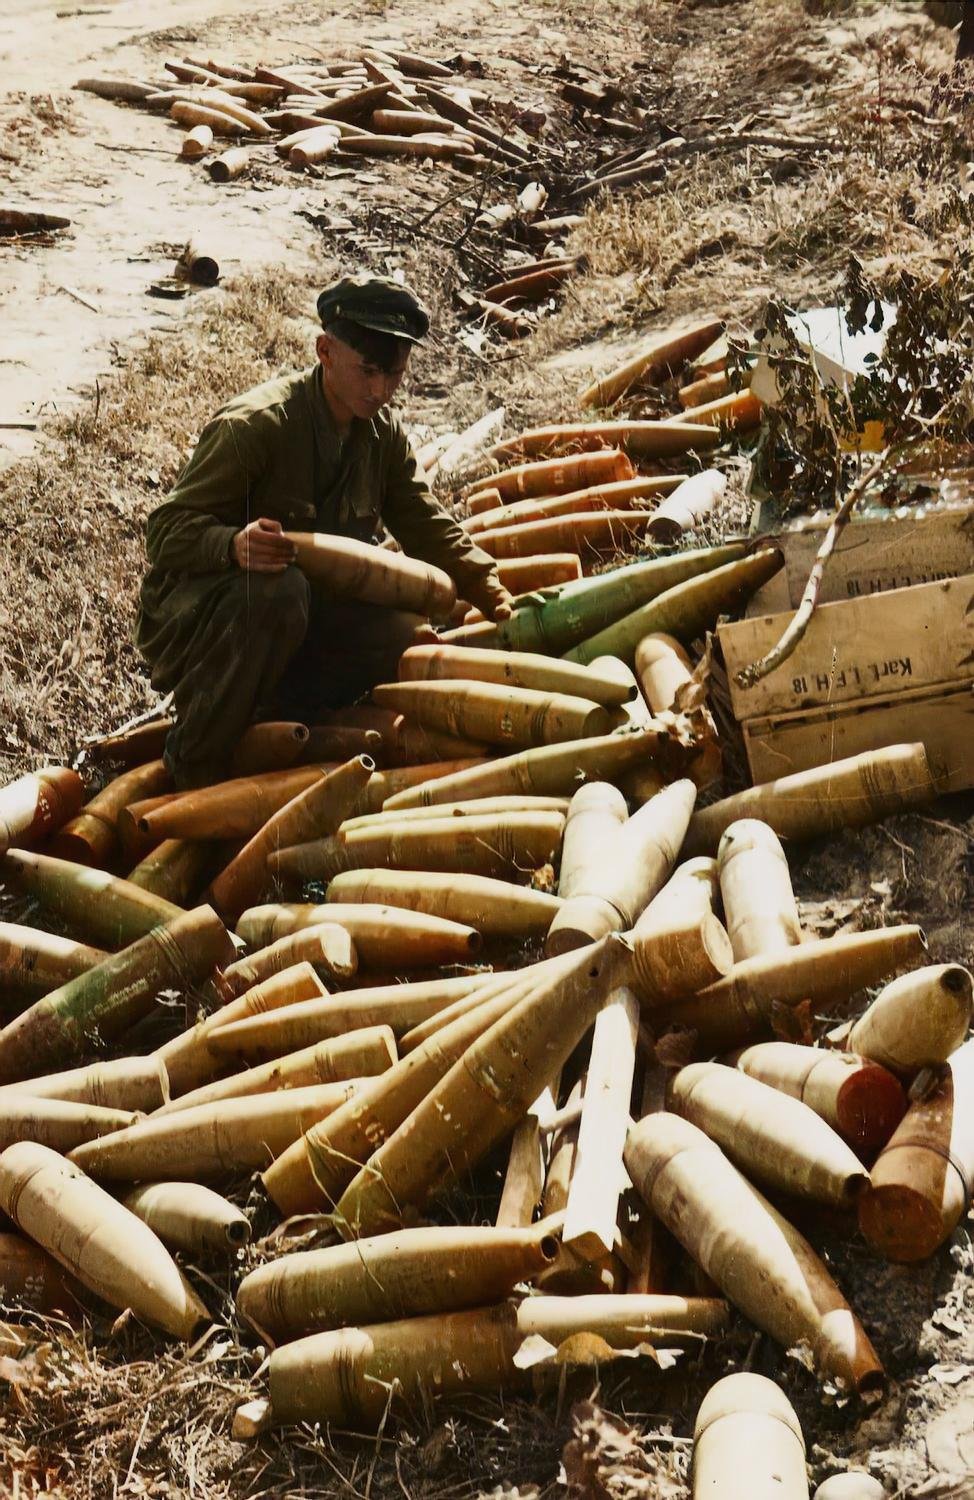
{"x": 500, "y": 607}
{"x": 262, "y": 547}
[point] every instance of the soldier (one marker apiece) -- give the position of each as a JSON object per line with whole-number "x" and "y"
{"x": 227, "y": 622}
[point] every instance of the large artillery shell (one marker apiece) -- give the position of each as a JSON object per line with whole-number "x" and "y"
{"x": 854, "y": 1484}
{"x": 91, "y": 837}
{"x": 496, "y": 908}
{"x": 400, "y": 1006}
{"x": 59, "y": 1123}
{"x": 825, "y": 971}
{"x": 642, "y": 439}
{"x": 174, "y": 870}
{"x": 679, "y": 945}
{"x": 29, "y": 1277}
{"x": 663, "y": 668}
{"x": 188, "y": 1216}
{"x": 271, "y": 746}
{"x": 778, "y": 1141}
{"x": 211, "y": 1140}
{"x": 111, "y": 996}
{"x": 109, "y": 911}
{"x": 763, "y": 1265}
{"x": 518, "y": 669}
{"x": 356, "y": 570}
{"x": 187, "y": 1059}
{"x": 760, "y": 910}
{"x": 392, "y": 1276}
{"x": 632, "y": 866}
{"x": 36, "y": 805}
{"x": 109, "y": 1250}
{"x": 596, "y": 811}
{"x": 326, "y": 947}
{"x": 499, "y": 845}
{"x": 553, "y": 770}
{"x": 484, "y": 1094}
{"x": 345, "y": 1376}
{"x": 690, "y": 503}
{"x": 185, "y": 112}
{"x": 315, "y": 1172}
{"x": 32, "y": 962}
{"x": 554, "y": 623}
{"x": 316, "y": 811}
{"x": 496, "y": 714}
{"x": 859, "y": 1099}
{"x": 663, "y": 356}
{"x": 358, "y": 1054}
{"x": 477, "y": 807}
{"x": 384, "y": 936}
{"x": 558, "y": 476}
{"x": 620, "y": 496}
{"x": 231, "y": 809}
{"x": 917, "y": 1020}
{"x": 402, "y": 741}
{"x": 592, "y": 534}
{"x": 196, "y": 143}
{"x": 845, "y": 794}
{"x": 921, "y": 1181}
{"x": 685, "y": 611}
{"x": 523, "y": 575}
{"x": 127, "y": 1083}
{"x": 748, "y": 1443}
{"x": 230, "y": 165}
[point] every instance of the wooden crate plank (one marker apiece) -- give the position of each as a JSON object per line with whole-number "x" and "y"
{"x": 878, "y": 550}
{"x": 859, "y": 649}
{"x": 942, "y": 720}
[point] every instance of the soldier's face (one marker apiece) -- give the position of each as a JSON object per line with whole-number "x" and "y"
{"x": 353, "y": 383}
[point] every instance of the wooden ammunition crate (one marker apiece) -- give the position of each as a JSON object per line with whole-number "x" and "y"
{"x": 882, "y": 669}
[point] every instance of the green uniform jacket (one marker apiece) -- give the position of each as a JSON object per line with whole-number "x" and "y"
{"x": 275, "y": 451}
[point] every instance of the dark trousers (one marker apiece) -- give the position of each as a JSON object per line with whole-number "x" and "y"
{"x": 273, "y": 646}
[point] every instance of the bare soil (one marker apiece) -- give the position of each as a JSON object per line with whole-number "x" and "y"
{"x": 120, "y": 382}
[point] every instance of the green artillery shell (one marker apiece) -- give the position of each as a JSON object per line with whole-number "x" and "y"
{"x": 685, "y": 611}
{"x": 97, "y": 907}
{"x": 110, "y": 997}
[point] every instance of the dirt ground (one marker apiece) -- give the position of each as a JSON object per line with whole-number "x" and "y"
{"x": 110, "y": 386}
